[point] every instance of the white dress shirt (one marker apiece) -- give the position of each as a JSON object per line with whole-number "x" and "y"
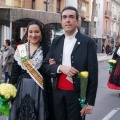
{"x": 69, "y": 43}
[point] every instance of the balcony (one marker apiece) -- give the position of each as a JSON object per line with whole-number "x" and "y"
{"x": 118, "y": 19}
{"x": 57, "y": 10}
{"x": 107, "y": 32}
{"x": 84, "y": 30}
{"x": 113, "y": 33}
{"x": 114, "y": 17}
{"x": 108, "y": 13}
{"x": 83, "y": 14}
{"x": 94, "y": 31}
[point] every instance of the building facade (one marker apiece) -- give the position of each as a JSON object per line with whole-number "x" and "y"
{"x": 15, "y": 16}
{"x": 115, "y": 22}
{"x": 102, "y": 23}
{"x": 84, "y": 14}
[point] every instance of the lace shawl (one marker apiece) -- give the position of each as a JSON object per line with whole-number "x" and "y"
{"x": 36, "y": 61}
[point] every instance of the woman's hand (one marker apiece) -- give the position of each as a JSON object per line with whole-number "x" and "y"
{"x": 52, "y": 61}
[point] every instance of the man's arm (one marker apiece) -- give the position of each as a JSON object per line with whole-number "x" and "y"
{"x": 92, "y": 79}
{"x": 50, "y": 69}
{"x": 93, "y": 72}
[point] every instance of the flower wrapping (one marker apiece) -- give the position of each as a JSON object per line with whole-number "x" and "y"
{"x": 83, "y": 87}
{"x": 112, "y": 64}
{"x": 7, "y": 93}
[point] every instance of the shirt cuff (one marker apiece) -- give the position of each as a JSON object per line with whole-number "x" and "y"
{"x": 58, "y": 69}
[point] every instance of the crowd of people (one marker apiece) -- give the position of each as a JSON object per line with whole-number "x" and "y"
{"x": 54, "y": 93}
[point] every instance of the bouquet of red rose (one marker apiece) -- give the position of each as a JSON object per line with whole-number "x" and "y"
{"x": 7, "y": 93}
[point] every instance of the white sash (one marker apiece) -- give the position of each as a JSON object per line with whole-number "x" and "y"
{"x": 21, "y": 56}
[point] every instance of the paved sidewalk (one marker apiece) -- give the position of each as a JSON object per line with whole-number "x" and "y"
{"x": 103, "y": 57}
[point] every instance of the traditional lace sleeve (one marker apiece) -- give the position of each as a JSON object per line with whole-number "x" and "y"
{"x": 17, "y": 58}
{"x": 16, "y": 71}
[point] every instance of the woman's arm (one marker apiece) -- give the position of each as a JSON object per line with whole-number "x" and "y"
{"x": 15, "y": 73}
{"x": 115, "y": 55}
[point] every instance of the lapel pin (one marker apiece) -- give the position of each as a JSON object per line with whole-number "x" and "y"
{"x": 78, "y": 43}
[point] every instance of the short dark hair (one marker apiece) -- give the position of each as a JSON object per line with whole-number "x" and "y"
{"x": 70, "y": 8}
{"x": 8, "y": 42}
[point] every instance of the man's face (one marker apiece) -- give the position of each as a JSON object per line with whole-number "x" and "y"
{"x": 69, "y": 21}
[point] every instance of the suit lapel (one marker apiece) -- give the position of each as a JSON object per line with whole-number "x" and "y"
{"x": 78, "y": 42}
{"x": 61, "y": 44}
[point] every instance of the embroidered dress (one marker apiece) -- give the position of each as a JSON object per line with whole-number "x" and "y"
{"x": 29, "y": 103}
{"x": 114, "y": 78}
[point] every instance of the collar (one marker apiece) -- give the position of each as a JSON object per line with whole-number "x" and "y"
{"x": 72, "y": 36}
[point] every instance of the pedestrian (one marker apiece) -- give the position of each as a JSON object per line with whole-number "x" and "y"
{"x": 7, "y": 59}
{"x": 103, "y": 48}
{"x": 114, "y": 78}
{"x": 72, "y": 52}
{"x": 30, "y": 102}
{"x": 107, "y": 49}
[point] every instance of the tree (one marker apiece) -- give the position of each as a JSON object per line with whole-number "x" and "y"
{"x": 92, "y": 18}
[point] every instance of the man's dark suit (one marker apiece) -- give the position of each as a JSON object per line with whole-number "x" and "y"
{"x": 83, "y": 58}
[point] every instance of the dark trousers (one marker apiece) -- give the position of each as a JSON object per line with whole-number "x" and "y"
{"x": 66, "y": 105}
{"x": 6, "y": 76}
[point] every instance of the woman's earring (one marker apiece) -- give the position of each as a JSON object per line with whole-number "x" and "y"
{"x": 28, "y": 39}
{"x": 40, "y": 39}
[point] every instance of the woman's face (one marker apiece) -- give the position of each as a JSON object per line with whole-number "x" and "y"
{"x": 34, "y": 34}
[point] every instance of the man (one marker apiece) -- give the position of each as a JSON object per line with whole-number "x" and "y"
{"x": 72, "y": 52}
{"x": 8, "y": 58}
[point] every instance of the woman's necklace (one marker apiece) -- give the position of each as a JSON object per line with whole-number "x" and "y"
{"x": 31, "y": 56}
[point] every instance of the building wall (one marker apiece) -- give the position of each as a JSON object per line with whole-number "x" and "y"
{"x": 115, "y": 18}
{"x": 13, "y": 3}
{"x": 99, "y": 24}
{"x": 71, "y": 2}
{"x": 39, "y": 6}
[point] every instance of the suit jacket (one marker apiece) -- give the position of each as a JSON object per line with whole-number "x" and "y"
{"x": 83, "y": 58}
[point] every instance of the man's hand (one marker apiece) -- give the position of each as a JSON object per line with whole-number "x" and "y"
{"x": 86, "y": 110}
{"x": 69, "y": 71}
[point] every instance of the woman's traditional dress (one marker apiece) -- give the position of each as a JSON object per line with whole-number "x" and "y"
{"x": 29, "y": 103}
{"x": 114, "y": 78}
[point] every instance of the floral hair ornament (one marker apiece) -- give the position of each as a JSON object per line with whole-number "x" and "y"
{"x": 83, "y": 87}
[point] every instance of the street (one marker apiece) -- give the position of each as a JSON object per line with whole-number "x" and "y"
{"x": 107, "y": 105}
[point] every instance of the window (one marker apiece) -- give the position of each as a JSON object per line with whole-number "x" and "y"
{"x": 58, "y": 6}
{"x": 33, "y": 4}
{"x": 94, "y": 24}
{"x": 107, "y": 6}
{"x": 113, "y": 10}
{"x": 46, "y": 5}
{"x": 106, "y": 26}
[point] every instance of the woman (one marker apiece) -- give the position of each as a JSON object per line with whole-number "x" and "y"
{"x": 30, "y": 102}
{"x": 114, "y": 79}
